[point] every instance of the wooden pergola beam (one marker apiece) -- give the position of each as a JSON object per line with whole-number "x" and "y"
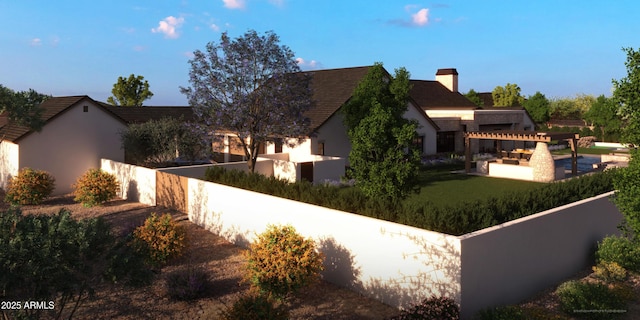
{"x": 522, "y": 136}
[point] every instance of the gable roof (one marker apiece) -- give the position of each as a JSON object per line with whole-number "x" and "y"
{"x": 432, "y": 95}
{"x": 331, "y": 89}
{"x": 51, "y": 108}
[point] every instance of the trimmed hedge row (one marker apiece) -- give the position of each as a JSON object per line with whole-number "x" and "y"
{"x": 458, "y": 219}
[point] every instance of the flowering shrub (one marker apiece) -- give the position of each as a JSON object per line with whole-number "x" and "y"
{"x": 576, "y": 296}
{"x": 95, "y": 187}
{"x": 281, "y": 261}
{"x": 161, "y": 237}
{"x": 29, "y": 187}
{"x": 609, "y": 271}
{"x": 432, "y": 308}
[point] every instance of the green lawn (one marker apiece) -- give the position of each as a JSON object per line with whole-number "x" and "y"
{"x": 441, "y": 187}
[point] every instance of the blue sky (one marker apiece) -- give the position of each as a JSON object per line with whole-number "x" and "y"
{"x": 560, "y": 48}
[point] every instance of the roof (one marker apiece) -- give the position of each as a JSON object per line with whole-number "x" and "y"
{"x": 432, "y": 95}
{"x": 144, "y": 114}
{"x": 52, "y": 108}
{"x": 331, "y": 89}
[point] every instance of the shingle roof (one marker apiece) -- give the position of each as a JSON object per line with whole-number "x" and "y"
{"x": 432, "y": 95}
{"x": 144, "y": 114}
{"x": 52, "y": 108}
{"x": 331, "y": 89}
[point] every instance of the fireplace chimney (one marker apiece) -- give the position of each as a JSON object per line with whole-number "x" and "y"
{"x": 448, "y": 78}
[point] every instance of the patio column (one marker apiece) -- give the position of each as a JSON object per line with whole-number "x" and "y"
{"x": 573, "y": 142}
{"x": 467, "y": 154}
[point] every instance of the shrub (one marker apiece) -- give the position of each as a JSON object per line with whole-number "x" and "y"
{"x": 609, "y": 271}
{"x": 161, "y": 238}
{"x": 255, "y": 307}
{"x": 621, "y": 250}
{"x": 589, "y": 300}
{"x": 517, "y": 313}
{"x": 439, "y": 308}
{"x": 29, "y": 187}
{"x": 281, "y": 261}
{"x": 95, "y": 187}
{"x": 187, "y": 284}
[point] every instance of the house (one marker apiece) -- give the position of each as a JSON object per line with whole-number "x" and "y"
{"x": 77, "y": 132}
{"x": 455, "y": 114}
{"x": 332, "y": 88}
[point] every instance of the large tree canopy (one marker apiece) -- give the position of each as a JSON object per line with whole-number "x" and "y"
{"x": 626, "y": 95}
{"x": 22, "y": 107}
{"x": 474, "y": 97}
{"x": 507, "y": 96}
{"x": 603, "y": 113}
{"x": 130, "y": 92}
{"x": 252, "y": 87}
{"x": 383, "y": 162}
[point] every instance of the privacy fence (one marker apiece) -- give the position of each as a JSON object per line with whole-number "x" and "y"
{"x": 393, "y": 263}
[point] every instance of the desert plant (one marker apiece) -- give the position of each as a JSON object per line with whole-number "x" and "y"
{"x": 255, "y": 307}
{"x": 29, "y": 187}
{"x": 95, "y": 187}
{"x": 439, "y": 308}
{"x": 281, "y": 261}
{"x": 161, "y": 238}
{"x": 609, "y": 271}
{"x": 621, "y": 250}
{"x": 187, "y": 284}
{"x": 590, "y": 300}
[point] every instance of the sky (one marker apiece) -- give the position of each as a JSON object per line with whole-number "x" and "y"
{"x": 560, "y": 48}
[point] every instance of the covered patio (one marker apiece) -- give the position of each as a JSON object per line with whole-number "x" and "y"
{"x": 510, "y": 135}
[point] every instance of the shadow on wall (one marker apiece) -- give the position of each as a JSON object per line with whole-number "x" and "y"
{"x": 171, "y": 191}
{"x": 212, "y": 222}
{"x": 440, "y": 275}
{"x": 132, "y": 191}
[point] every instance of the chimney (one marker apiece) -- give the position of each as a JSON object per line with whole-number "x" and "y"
{"x": 448, "y": 78}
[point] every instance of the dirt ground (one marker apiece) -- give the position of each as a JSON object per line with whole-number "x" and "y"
{"x": 223, "y": 259}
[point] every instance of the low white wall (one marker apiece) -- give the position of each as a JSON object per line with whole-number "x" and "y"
{"x": 508, "y": 263}
{"x": 9, "y": 165}
{"x": 393, "y": 263}
{"x": 196, "y": 171}
{"x": 510, "y": 171}
{"x": 328, "y": 170}
{"x": 286, "y": 170}
{"x": 136, "y": 183}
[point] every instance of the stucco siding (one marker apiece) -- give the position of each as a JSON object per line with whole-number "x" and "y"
{"x": 72, "y": 143}
{"x": 9, "y": 165}
{"x": 334, "y": 136}
{"x": 425, "y": 128}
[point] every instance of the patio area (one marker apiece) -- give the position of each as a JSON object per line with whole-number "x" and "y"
{"x": 523, "y": 164}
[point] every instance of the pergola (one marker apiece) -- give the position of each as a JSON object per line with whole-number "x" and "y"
{"x": 512, "y": 135}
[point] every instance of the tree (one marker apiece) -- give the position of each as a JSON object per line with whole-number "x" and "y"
{"x": 507, "y": 96}
{"x": 22, "y": 107}
{"x": 130, "y": 92}
{"x": 626, "y": 95}
{"x": 252, "y": 87}
{"x": 474, "y": 97}
{"x": 604, "y": 114}
{"x": 158, "y": 141}
{"x": 537, "y": 106}
{"x": 383, "y": 163}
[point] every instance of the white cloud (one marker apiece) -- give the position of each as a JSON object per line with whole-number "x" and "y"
{"x": 234, "y": 4}
{"x": 36, "y": 42}
{"x": 312, "y": 64}
{"x": 214, "y": 27}
{"x": 421, "y": 17}
{"x": 169, "y": 27}
{"x": 55, "y": 40}
{"x": 277, "y": 3}
{"x": 139, "y": 48}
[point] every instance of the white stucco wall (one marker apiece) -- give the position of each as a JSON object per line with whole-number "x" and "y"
{"x": 396, "y": 264}
{"x": 334, "y": 135}
{"x": 9, "y": 165}
{"x": 425, "y": 129}
{"x": 136, "y": 183}
{"x": 72, "y": 143}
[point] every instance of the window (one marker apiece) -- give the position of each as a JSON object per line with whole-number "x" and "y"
{"x": 321, "y": 148}
{"x": 418, "y": 144}
{"x": 278, "y": 142}
{"x": 85, "y": 108}
{"x": 446, "y": 141}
